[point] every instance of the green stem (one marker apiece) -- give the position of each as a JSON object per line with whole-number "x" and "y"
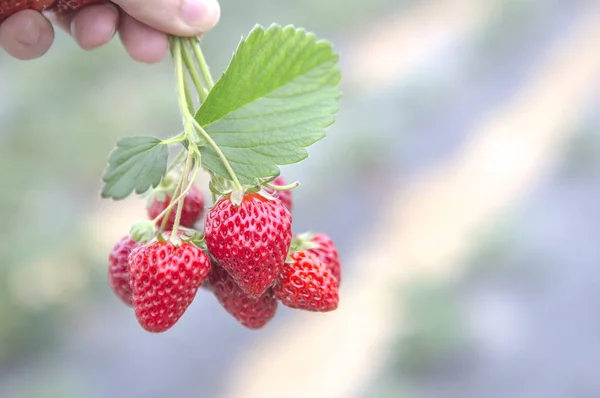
{"x": 182, "y": 194}
{"x": 181, "y": 89}
{"x": 189, "y": 63}
{"x": 216, "y": 148}
{"x": 175, "y": 140}
{"x": 188, "y": 97}
{"x": 202, "y": 62}
{"x": 188, "y": 168}
{"x": 212, "y": 194}
{"x": 186, "y": 106}
{"x": 166, "y": 214}
{"x": 176, "y": 160}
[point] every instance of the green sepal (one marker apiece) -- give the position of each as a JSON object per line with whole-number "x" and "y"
{"x": 236, "y": 197}
{"x": 219, "y": 186}
{"x": 303, "y": 242}
{"x": 142, "y": 230}
{"x": 265, "y": 194}
{"x": 161, "y": 238}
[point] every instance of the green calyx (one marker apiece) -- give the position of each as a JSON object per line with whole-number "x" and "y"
{"x": 142, "y": 231}
{"x": 302, "y": 242}
{"x": 288, "y": 187}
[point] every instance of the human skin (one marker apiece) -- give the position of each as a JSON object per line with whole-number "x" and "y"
{"x": 142, "y": 26}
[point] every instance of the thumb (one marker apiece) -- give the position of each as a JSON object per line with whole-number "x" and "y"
{"x": 176, "y": 17}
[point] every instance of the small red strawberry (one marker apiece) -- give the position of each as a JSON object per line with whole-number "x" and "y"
{"x": 307, "y": 284}
{"x": 164, "y": 281}
{"x": 250, "y": 241}
{"x": 10, "y": 7}
{"x": 71, "y": 5}
{"x": 284, "y": 196}
{"x": 118, "y": 273}
{"x": 252, "y": 313}
{"x": 193, "y": 208}
{"x": 327, "y": 252}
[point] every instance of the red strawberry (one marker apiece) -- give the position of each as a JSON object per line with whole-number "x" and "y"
{"x": 250, "y": 241}
{"x": 252, "y": 313}
{"x": 328, "y": 253}
{"x": 284, "y": 196}
{"x": 71, "y": 5}
{"x": 10, "y": 7}
{"x": 307, "y": 284}
{"x": 164, "y": 280}
{"x": 118, "y": 274}
{"x": 193, "y": 208}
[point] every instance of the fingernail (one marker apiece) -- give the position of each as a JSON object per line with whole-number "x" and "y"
{"x": 30, "y": 34}
{"x": 200, "y": 14}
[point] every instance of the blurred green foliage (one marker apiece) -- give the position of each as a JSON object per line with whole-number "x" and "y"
{"x": 433, "y": 330}
{"x": 582, "y": 155}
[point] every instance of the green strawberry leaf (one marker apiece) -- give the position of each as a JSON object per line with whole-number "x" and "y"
{"x": 275, "y": 99}
{"x": 137, "y": 163}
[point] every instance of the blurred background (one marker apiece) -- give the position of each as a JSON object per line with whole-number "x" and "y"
{"x": 462, "y": 188}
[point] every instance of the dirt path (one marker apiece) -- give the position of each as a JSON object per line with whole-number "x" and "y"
{"x": 427, "y": 232}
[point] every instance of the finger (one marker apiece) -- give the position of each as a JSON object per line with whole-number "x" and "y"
{"x": 91, "y": 27}
{"x": 26, "y": 35}
{"x": 95, "y": 26}
{"x": 141, "y": 42}
{"x": 176, "y": 17}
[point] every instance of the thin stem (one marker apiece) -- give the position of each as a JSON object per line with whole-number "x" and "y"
{"x": 189, "y": 63}
{"x": 188, "y": 98}
{"x": 176, "y": 160}
{"x": 181, "y": 89}
{"x": 166, "y": 214}
{"x": 186, "y": 106}
{"x": 202, "y": 62}
{"x": 216, "y": 148}
{"x": 163, "y": 224}
{"x": 188, "y": 168}
{"x": 175, "y": 140}
{"x": 181, "y": 195}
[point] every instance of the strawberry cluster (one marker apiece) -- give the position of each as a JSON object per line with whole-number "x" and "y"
{"x": 245, "y": 255}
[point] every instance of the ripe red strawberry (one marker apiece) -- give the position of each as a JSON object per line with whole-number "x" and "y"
{"x": 250, "y": 241}
{"x": 327, "y": 252}
{"x": 118, "y": 273}
{"x": 193, "y": 208}
{"x": 284, "y": 196}
{"x": 10, "y": 7}
{"x": 252, "y": 313}
{"x": 70, "y": 5}
{"x": 164, "y": 280}
{"x": 307, "y": 284}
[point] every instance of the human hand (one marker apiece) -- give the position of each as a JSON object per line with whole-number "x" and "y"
{"x": 143, "y": 26}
